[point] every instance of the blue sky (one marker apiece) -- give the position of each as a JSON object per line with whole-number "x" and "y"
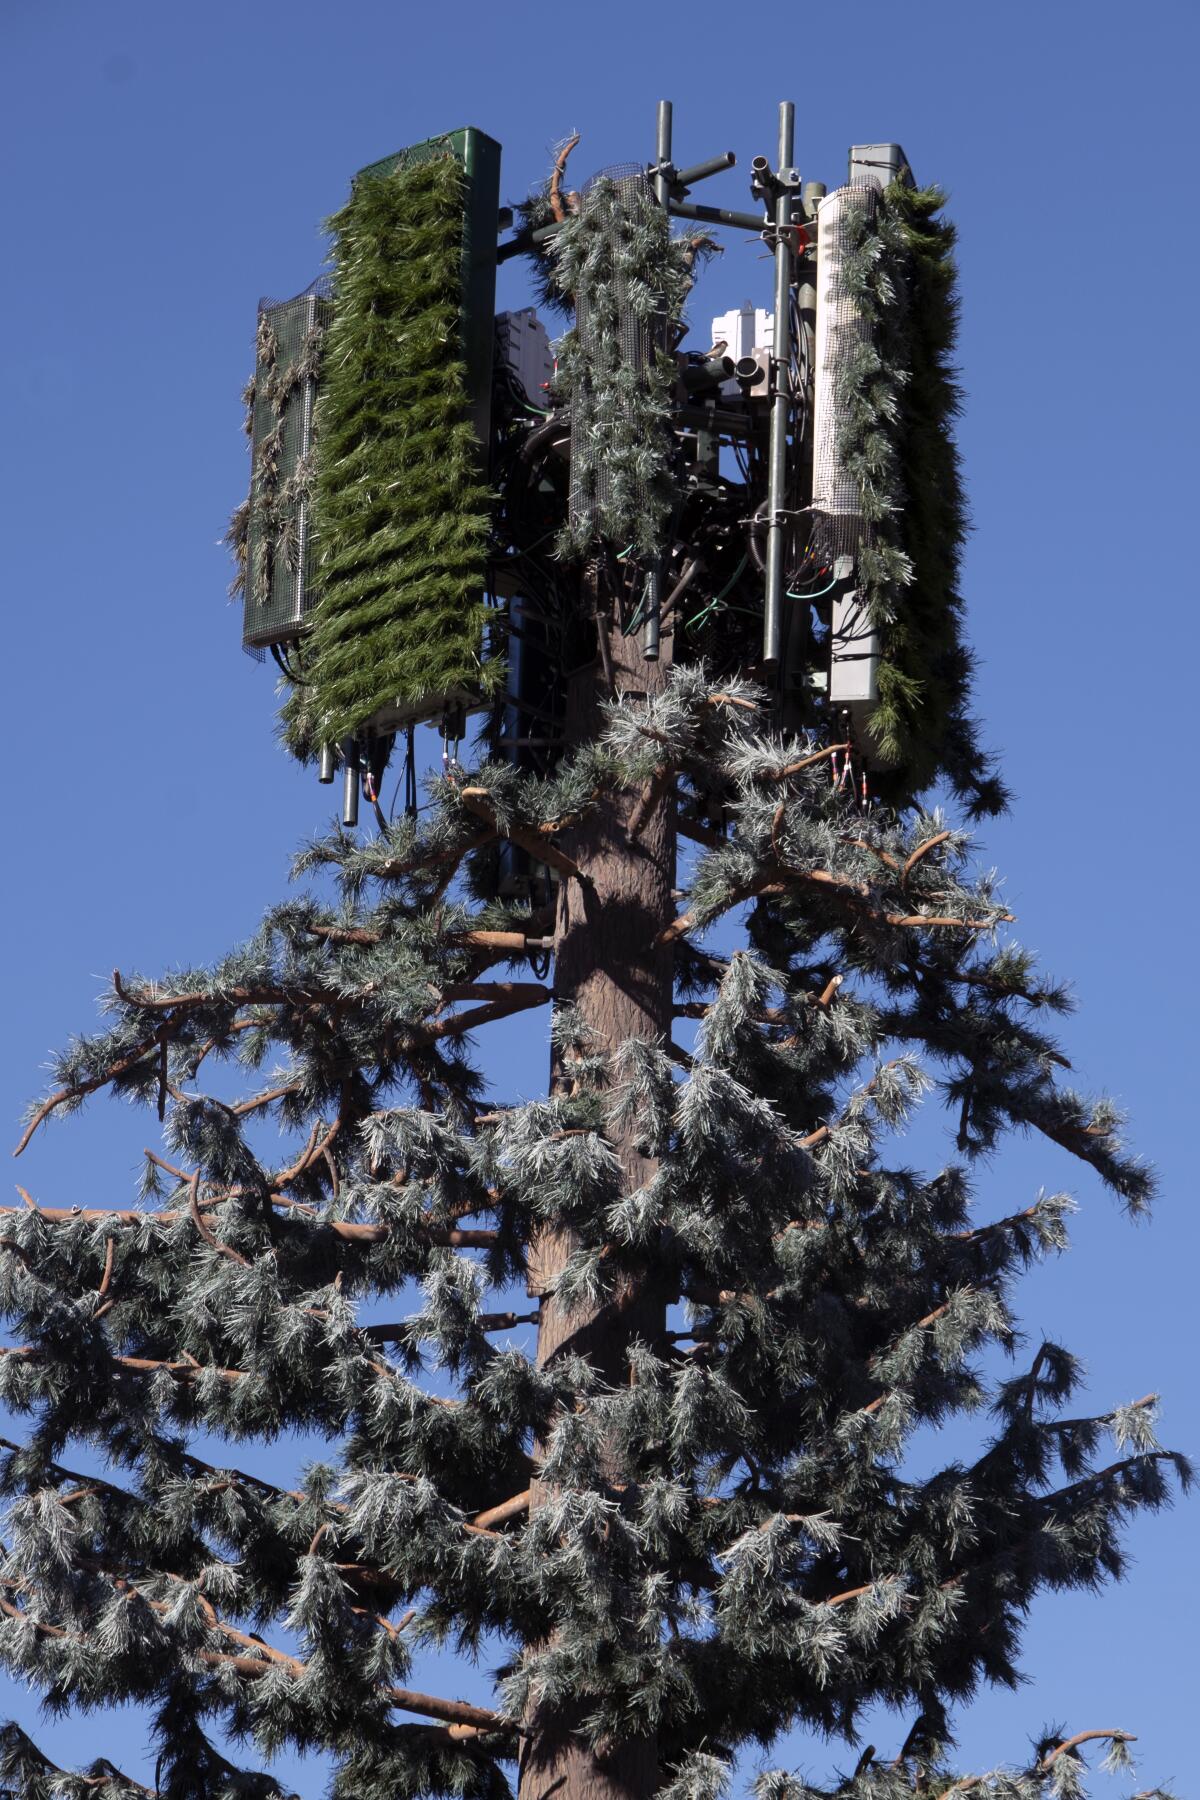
{"x": 165, "y": 165}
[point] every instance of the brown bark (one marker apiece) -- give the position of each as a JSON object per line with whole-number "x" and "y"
{"x": 612, "y": 965}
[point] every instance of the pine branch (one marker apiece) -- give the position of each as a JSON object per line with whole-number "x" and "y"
{"x": 78, "y": 1090}
{"x": 264, "y": 1657}
{"x": 1068, "y": 1745}
{"x": 1111, "y": 1473}
{"x": 537, "y": 843}
{"x": 346, "y": 1229}
{"x": 775, "y": 881}
{"x": 507, "y": 1509}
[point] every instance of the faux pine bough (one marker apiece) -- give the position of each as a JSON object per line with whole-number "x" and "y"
{"x": 616, "y": 259}
{"x": 900, "y": 397}
{"x": 685, "y": 1525}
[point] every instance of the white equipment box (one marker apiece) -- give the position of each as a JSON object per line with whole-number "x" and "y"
{"x": 524, "y": 345}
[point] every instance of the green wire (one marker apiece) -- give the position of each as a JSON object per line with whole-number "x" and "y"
{"x": 716, "y": 601}
{"x": 825, "y": 590}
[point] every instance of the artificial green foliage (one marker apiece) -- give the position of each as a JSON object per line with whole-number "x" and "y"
{"x": 401, "y": 509}
{"x": 628, "y": 278}
{"x": 263, "y": 534}
{"x": 730, "y": 1539}
{"x": 899, "y": 399}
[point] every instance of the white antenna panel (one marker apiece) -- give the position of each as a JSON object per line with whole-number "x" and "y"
{"x": 841, "y": 331}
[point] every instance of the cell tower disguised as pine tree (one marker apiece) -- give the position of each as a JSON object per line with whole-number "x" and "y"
{"x": 615, "y": 1385}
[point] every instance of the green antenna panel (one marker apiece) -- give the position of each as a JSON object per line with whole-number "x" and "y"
{"x": 479, "y": 156}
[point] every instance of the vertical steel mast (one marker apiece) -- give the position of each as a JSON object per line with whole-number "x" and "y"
{"x": 662, "y": 193}
{"x": 784, "y": 182}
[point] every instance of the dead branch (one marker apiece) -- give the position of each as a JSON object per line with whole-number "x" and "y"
{"x": 560, "y": 169}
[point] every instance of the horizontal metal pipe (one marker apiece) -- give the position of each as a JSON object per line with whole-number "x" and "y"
{"x": 702, "y": 170}
{"x": 526, "y": 240}
{"x": 700, "y": 375}
{"x": 716, "y": 215}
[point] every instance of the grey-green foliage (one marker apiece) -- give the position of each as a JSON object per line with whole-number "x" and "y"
{"x": 628, "y": 278}
{"x": 732, "y": 1545}
{"x": 898, "y": 399}
{"x": 263, "y": 530}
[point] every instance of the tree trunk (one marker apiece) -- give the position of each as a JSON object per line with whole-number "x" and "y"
{"x": 609, "y": 967}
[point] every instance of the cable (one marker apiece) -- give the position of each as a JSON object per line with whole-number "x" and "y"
{"x": 700, "y": 617}
{"x": 825, "y": 590}
{"x": 279, "y": 657}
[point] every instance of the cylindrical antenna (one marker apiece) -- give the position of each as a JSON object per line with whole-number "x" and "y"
{"x": 327, "y": 765}
{"x": 662, "y": 193}
{"x": 781, "y": 399}
{"x": 350, "y": 793}
{"x": 702, "y": 375}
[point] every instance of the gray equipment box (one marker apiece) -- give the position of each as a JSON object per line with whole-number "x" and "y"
{"x": 878, "y": 165}
{"x": 854, "y": 657}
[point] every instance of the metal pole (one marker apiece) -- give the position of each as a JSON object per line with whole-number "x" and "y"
{"x": 781, "y": 399}
{"x": 662, "y": 193}
{"x": 662, "y": 152}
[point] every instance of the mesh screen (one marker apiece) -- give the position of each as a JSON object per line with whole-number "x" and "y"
{"x": 448, "y": 145}
{"x": 636, "y": 341}
{"x": 279, "y": 551}
{"x": 841, "y": 330}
